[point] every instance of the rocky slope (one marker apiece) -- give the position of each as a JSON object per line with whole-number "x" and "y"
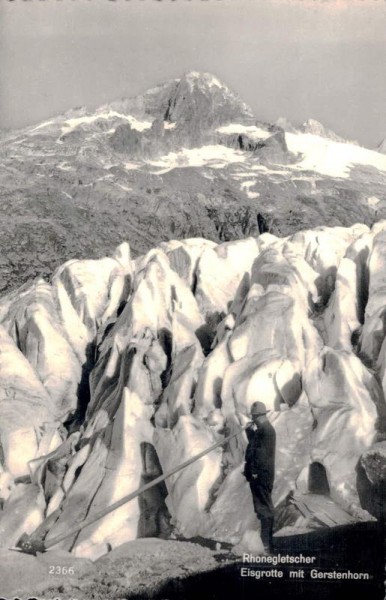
{"x": 184, "y": 159}
{"x": 120, "y": 369}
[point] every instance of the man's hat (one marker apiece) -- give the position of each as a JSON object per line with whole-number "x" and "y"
{"x": 258, "y": 408}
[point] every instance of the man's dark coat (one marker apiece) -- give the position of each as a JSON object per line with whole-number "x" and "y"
{"x": 260, "y": 461}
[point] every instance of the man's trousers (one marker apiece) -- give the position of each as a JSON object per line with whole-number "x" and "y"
{"x": 262, "y": 503}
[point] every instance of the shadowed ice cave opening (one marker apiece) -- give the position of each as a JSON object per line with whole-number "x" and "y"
{"x": 363, "y": 282}
{"x": 155, "y": 519}
{"x": 317, "y": 479}
{"x": 76, "y": 420}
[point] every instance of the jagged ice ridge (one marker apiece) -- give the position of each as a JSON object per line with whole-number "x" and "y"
{"x": 175, "y": 346}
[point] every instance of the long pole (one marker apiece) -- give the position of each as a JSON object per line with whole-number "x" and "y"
{"x": 29, "y": 542}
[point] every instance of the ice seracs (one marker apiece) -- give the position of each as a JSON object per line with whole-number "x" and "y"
{"x": 176, "y": 345}
{"x": 342, "y": 395}
{"x": 32, "y": 320}
{"x": 25, "y": 411}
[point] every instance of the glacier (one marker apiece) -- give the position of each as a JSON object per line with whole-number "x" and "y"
{"x": 120, "y": 369}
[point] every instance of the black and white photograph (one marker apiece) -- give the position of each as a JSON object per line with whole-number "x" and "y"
{"x": 192, "y": 299}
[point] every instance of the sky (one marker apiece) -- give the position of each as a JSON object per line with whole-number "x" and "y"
{"x": 299, "y": 59}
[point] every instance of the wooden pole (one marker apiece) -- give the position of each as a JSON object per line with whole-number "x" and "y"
{"x": 56, "y": 540}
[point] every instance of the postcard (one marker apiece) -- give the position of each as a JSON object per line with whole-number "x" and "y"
{"x": 192, "y": 299}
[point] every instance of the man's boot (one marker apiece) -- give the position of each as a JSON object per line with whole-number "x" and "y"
{"x": 266, "y": 533}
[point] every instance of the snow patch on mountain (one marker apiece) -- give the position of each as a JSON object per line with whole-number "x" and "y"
{"x": 255, "y": 133}
{"x": 269, "y": 171}
{"x": 64, "y": 166}
{"x": 215, "y": 156}
{"x": 71, "y": 124}
{"x": 131, "y": 166}
{"x": 41, "y": 126}
{"x": 248, "y": 184}
{"x": 124, "y": 187}
{"x": 168, "y": 125}
{"x": 327, "y": 157}
{"x": 373, "y": 201}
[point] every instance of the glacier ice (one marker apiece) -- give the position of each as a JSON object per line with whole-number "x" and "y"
{"x": 119, "y": 370}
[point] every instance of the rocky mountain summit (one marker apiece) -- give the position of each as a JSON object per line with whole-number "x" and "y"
{"x": 316, "y": 128}
{"x": 185, "y": 159}
{"x": 119, "y": 369}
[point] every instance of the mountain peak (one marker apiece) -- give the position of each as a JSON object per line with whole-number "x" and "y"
{"x": 203, "y": 80}
{"x": 201, "y": 101}
{"x": 314, "y": 127}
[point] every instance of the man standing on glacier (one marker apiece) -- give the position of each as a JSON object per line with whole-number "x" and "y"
{"x": 260, "y": 468}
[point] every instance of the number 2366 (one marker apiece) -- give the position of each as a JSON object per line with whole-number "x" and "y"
{"x": 59, "y": 570}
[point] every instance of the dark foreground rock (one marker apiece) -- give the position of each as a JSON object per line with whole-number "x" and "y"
{"x": 137, "y": 569}
{"x": 166, "y": 570}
